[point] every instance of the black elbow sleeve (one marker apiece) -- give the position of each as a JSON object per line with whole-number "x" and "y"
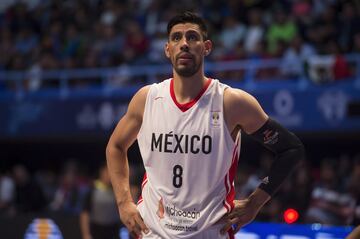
{"x": 288, "y": 150}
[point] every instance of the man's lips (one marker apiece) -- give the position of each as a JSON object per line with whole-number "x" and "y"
{"x": 185, "y": 57}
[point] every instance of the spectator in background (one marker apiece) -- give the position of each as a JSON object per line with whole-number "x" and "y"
{"x": 281, "y": 29}
{"x": 110, "y": 13}
{"x": 297, "y": 191}
{"x": 232, "y": 33}
{"x": 19, "y": 17}
{"x": 354, "y": 189}
{"x": 295, "y": 58}
{"x": 272, "y": 211}
{"x": 47, "y": 180}
{"x": 327, "y": 22}
{"x": 109, "y": 45}
{"x": 65, "y": 30}
{"x": 340, "y": 67}
{"x": 301, "y": 8}
{"x": 7, "y": 193}
{"x": 26, "y": 41}
{"x": 136, "y": 43}
{"x": 153, "y": 18}
{"x": 245, "y": 181}
{"x": 7, "y": 48}
{"x": 28, "y": 194}
{"x": 156, "y": 49}
{"x": 329, "y": 205}
{"x": 72, "y": 43}
{"x": 99, "y": 217}
{"x": 255, "y": 31}
{"x": 303, "y": 17}
{"x": 348, "y": 25}
{"x": 46, "y": 61}
{"x": 9, "y": 58}
{"x": 51, "y": 41}
{"x": 345, "y": 165}
{"x": 356, "y": 43}
{"x": 70, "y": 194}
{"x": 301, "y": 187}
{"x": 260, "y": 53}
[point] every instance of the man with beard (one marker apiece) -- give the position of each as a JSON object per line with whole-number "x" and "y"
{"x": 188, "y": 130}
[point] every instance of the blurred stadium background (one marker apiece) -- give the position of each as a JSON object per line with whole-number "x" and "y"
{"x": 69, "y": 68}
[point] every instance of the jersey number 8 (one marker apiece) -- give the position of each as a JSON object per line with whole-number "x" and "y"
{"x": 177, "y": 178}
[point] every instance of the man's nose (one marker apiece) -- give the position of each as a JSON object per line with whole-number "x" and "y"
{"x": 184, "y": 45}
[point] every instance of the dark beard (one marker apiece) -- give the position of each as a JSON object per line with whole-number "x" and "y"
{"x": 187, "y": 71}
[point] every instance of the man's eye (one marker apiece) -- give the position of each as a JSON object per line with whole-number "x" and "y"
{"x": 193, "y": 37}
{"x": 176, "y": 38}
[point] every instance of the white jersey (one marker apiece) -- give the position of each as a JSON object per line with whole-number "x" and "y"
{"x": 190, "y": 160}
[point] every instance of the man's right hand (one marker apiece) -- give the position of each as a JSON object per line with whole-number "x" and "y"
{"x": 132, "y": 219}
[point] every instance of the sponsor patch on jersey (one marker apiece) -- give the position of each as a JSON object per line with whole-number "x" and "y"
{"x": 160, "y": 211}
{"x": 215, "y": 118}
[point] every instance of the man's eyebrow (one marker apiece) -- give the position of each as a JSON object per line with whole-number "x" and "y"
{"x": 173, "y": 33}
{"x": 193, "y": 32}
{"x": 188, "y": 31}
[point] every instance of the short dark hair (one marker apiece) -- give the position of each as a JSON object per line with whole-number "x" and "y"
{"x": 188, "y": 17}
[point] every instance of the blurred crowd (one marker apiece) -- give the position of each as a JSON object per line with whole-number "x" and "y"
{"x": 38, "y": 35}
{"x": 328, "y": 193}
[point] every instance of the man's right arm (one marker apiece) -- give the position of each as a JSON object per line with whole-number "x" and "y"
{"x": 121, "y": 139}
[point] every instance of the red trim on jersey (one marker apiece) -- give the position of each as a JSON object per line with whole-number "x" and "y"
{"x": 232, "y": 172}
{"x": 229, "y": 179}
{"x": 226, "y": 185}
{"x": 184, "y": 107}
{"x": 231, "y": 233}
{"x": 227, "y": 191}
{"x": 226, "y": 206}
{"x": 145, "y": 180}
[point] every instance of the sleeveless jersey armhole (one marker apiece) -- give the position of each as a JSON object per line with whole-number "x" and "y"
{"x": 148, "y": 98}
{"x": 229, "y": 134}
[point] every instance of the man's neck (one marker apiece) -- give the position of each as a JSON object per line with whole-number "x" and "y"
{"x": 187, "y": 88}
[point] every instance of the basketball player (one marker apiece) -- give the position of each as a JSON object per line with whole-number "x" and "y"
{"x": 188, "y": 129}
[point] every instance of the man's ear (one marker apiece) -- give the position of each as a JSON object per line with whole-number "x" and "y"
{"x": 166, "y": 50}
{"x": 208, "y": 47}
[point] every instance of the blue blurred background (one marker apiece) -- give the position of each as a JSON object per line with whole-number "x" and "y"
{"x": 69, "y": 68}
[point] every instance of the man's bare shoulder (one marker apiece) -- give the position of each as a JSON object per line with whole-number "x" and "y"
{"x": 137, "y": 103}
{"x": 141, "y": 94}
{"x": 234, "y": 97}
{"x": 241, "y": 108}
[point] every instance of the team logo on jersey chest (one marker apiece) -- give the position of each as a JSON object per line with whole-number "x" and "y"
{"x": 215, "y": 118}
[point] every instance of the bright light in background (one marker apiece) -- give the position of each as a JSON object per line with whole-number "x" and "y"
{"x": 291, "y": 216}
